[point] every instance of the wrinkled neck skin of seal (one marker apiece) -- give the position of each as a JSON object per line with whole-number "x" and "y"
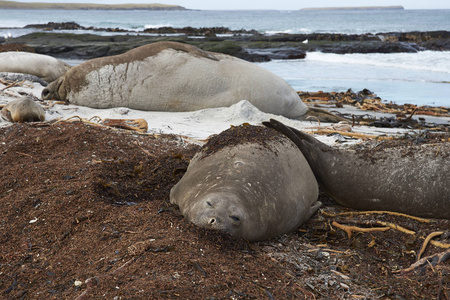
{"x": 312, "y": 149}
{"x": 221, "y": 210}
{"x": 54, "y": 90}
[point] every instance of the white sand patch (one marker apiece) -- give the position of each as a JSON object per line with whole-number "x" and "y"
{"x": 198, "y": 125}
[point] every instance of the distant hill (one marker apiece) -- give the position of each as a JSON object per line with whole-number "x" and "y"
{"x": 86, "y": 6}
{"x": 398, "y": 7}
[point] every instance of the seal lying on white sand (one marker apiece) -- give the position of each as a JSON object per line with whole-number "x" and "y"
{"x": 43, "y": 66}
{"x": 23, "y": 110}
{"x": 170, "y": 76}
{"x": 249, "y": 181}
{"x": 412, "y": 179}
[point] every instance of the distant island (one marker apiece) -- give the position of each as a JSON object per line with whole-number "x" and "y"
{"x": 87, "y": 6}
{"x": 398, "y": 7}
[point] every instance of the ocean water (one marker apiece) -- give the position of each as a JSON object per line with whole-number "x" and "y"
{"x": 422, "y": 78}
{"x": 266, "y": 21}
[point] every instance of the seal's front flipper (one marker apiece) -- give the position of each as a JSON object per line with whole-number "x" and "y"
{"x": 314, "y": 207}
{"x": 299, "y": 138}
{"x": 322, "y": 115}
{"x": 286, "y": 130}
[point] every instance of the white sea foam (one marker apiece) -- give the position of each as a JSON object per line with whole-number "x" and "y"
{"x": 154, "y": 26}
{"x": 425, "y": 61}
{"x": 289, "y": 31}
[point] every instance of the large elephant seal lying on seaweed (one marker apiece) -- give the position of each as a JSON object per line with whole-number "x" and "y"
{"x": 249, "y": 181}
{"x": 43, "y": 66}
{"x": 413, "y": 179}
{"x": 23, "y": 110}
{"x": 170, "y": 76}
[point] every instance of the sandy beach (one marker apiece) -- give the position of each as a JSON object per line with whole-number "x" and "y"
{"x": 199, "y": 125}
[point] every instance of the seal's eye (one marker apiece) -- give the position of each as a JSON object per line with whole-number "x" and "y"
{"x": 234, "y": 218}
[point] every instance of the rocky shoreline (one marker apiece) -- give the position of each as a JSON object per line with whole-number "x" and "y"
{"x": 246, "y": 44}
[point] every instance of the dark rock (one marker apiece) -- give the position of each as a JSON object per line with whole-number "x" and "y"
{"x": 245, "y": 44}
{"x": 56, "y": 26}
{"x": 16, "y": 47}
{"x": 279, "y": 53}
{"x": 203, "y": 31}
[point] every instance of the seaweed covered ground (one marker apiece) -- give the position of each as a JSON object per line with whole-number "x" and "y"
{"x": 85, "y": 214}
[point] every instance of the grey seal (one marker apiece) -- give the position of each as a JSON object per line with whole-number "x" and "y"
{"x": 43, "y": 66}
{"x": 412, "y": 179}
{"x": 171, "y": 76}
{"x": 23, "y": 110}
{"x": 249, "y": 181}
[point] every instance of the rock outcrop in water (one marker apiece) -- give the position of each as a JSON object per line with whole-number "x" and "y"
{"x": 250, "y": 45}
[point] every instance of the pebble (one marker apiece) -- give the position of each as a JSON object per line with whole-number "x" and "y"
{"x": 78, "y": 283}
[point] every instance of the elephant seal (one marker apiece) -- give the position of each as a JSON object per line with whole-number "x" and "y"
{"x": 249, "y": 181}
{"x": 23, "y": 110}
{"x": 171, "y": 76}
{"x": 412, "y": 179}
{"x": 43, "y": 66}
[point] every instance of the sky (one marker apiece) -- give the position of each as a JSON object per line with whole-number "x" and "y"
{"x": 280, "y": 4}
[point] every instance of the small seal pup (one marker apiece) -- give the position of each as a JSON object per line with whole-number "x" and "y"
{"x": 171, "y": 76}
{"x": 23, "y": 110}
{"x": 249, "y": 181}
{"x": 413, "y": 179}
{"x": 43, "y": 66}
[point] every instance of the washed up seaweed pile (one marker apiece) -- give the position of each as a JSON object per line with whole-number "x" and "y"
{"x": 85, "y": 214}
{"x": 366, "y": 100}
{"x": 16, "y": 47}
{"x": 236, "y": 135}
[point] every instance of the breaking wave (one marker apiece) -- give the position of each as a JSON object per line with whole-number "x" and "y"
{"x": 433, "y": 61}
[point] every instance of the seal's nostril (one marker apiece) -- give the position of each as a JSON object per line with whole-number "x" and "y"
{"x": 212, "y": 221}
{"x": 45, "y": 93}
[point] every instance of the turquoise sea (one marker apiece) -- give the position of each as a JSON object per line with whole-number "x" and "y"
{"x": 421, "y": 78}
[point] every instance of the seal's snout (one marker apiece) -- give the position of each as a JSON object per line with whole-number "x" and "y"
{"x": 51, "y": 92}
{"x": 216, "y": 222}
{"x": 45, "y": 93}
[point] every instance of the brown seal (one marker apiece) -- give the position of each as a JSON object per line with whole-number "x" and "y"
{"x": 249, "y": 181}
{"x": 23, "y": 110}
{"x": 170, "y": 76}
{"x": 413, "y": 179}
